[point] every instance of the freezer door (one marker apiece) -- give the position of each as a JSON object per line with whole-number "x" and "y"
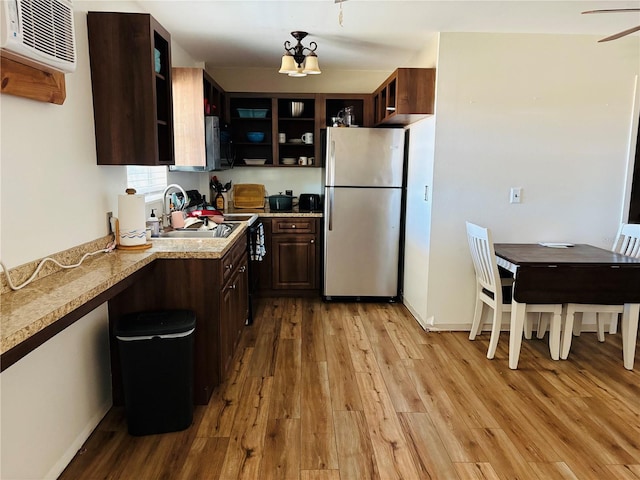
{"x": 369, "y": 157}
{"x": 361, "y": 242}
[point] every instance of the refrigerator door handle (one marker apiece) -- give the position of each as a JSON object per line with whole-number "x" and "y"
{"x": 330, "y": 213}
{"x": 331, "y": 175}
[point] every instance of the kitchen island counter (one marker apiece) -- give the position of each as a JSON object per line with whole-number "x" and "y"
{"x": 32, "y": 315}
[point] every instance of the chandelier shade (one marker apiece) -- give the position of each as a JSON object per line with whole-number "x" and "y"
{"x": 288, "y": 64}
{"x": 311, "y": 64}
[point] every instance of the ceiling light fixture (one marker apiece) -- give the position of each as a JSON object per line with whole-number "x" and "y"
{"x": 294, "y": 58}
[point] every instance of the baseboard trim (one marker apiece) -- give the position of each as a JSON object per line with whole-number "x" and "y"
{"x": 82, "y": 437}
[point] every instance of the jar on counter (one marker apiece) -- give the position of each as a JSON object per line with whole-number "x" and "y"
{"x": 219, "y": 202}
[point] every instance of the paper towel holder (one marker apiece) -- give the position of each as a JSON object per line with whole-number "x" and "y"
{"x": 144, "y": 246}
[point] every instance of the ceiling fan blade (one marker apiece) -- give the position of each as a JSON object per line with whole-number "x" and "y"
{"x": 621, "y": 34}
{"x": 610, "y": 10}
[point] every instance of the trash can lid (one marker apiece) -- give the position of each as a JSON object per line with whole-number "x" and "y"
{"x": 155, "y": 323}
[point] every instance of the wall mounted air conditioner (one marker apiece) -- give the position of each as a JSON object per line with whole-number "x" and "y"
{"x": 39, "y": 33}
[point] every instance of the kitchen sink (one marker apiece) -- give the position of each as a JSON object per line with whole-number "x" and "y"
{"x": 241, "y": 217}
{"x": 221, "y": 231}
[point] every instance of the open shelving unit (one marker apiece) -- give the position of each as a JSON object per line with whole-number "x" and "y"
{"x": 241, "y": 124}
{"x": 294, "y": 128}
{"x": 278, "y": 119}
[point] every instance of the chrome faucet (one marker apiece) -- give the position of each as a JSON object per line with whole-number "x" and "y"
{"x": 165, "y": 215}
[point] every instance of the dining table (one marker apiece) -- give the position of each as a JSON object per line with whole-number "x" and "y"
{"x": 567, "y": 273}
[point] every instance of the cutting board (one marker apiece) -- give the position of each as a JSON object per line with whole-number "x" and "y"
{"x": 248, "y": 195}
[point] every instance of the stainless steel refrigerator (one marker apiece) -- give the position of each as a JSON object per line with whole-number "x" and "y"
{"x": 362, "y": 204}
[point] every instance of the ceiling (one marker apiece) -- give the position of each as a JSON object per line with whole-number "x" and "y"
{"x": 374, "y": 35}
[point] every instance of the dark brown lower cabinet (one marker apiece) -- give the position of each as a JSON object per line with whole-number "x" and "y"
{"x": 292, "y": 264}
{"x": 234, "y": 307}
{"x": 216, "y": 290}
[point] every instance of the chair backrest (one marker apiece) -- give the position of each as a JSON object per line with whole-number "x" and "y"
{"x": 484, "y": 259}
{"x": 628, "y": 240}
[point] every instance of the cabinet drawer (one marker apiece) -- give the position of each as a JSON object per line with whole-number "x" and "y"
{"x": 294, "y": 225}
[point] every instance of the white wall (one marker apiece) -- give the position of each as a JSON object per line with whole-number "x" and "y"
{"x": 548, "y": 113}
{"x": 53, "y": 398}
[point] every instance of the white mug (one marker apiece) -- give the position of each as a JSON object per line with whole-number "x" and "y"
{"x": 302, "y": 161}
{"x": 307, "y": 138}
{"x": 282, "y": 138}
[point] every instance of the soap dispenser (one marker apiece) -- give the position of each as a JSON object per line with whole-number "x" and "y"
{"x": 153, "y": 223}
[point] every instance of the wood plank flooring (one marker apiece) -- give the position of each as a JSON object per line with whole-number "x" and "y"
{"x": 341, "y": 391}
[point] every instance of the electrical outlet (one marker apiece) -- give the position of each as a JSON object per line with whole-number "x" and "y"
{"x": 515, "y": 195}
{"x": 426, "y": 193}
{"x": 109, "y": 229}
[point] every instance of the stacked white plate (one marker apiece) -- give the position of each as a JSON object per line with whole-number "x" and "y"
{"x": 288, "y": 161}
{"x": 254, "y": 161}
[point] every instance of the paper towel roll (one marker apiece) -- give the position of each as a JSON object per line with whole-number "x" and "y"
{"x": 131, "y": 216}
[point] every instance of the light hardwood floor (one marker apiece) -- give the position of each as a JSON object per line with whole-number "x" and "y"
{"x": 359, "y": 391}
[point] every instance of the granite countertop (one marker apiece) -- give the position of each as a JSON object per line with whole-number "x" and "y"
{"x": 25, "y": 312}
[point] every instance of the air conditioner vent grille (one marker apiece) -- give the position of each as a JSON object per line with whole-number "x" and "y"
{"x": 47, "y": 26}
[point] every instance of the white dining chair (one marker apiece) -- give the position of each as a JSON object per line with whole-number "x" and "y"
{"x": 627, "y": 242}
{"x": 489, "y": 291}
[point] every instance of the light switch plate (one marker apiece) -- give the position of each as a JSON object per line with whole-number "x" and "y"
{"x": 516, "y": 195}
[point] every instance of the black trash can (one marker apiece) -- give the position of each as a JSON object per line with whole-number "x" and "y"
{"x": 156, "y": 356}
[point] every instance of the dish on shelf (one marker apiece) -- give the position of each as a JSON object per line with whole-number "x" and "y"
{"x": 297, "y": 108}
{"x": 295, "y": 140}
{"x": 255, "y": 137}
{"x": 252, "y": 112}
{"x": 255, "y": 161}
{"x": 288, "y": 161}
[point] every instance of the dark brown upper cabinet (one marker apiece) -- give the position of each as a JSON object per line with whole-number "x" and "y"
{"x": 405, "y": 97}
{"x": 130, "y": 58}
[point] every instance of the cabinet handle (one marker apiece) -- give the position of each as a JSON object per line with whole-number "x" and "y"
{"x": 243, "y": 269}
{"x": 293, "y": 226}
{"x": 312, "y": 241}
{"x": 232, "y": 287}
{"x": 229, "y": 267}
